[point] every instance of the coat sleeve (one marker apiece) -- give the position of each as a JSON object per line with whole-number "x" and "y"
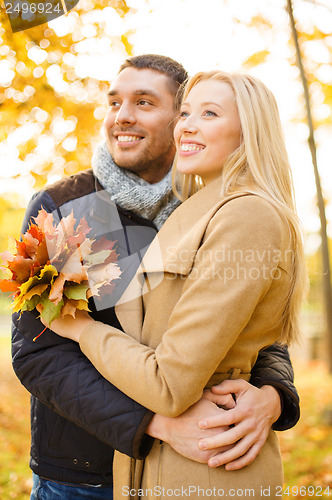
{"x": 274, "y": 367}
{"x": 56, "y": 371}
{"x": 205, "y": 322}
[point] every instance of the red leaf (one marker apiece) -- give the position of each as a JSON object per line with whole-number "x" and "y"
{"x": 83, "y": 226}
{"x": 69, "y": 308}
{"x": 82, "y": 230}
{"x": 35, "y": 232}
{"x": 113, "y": 257}
{"x": 41, "y": 255}
{"x": 21, "y": 248}
{"x": 21, "y": 268}
{"x": 56, "y": 291}
{"x": 31, "y": 242}
{"x": 7, "y": 257}
{"x": 9, "y": 286}
{"x": 44, "y": 222}
{"x": 102, "y": 244}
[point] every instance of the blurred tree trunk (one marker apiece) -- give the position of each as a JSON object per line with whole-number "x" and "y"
{"x": 327, "y": 289}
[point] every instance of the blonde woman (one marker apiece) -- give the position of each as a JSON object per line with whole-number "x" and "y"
{"x": 232, "y": 278}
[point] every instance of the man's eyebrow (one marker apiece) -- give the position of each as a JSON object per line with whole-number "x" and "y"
{"x": 141, "y": 92}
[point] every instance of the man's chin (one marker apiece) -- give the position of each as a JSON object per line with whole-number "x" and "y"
{"x": 132, "y": 165}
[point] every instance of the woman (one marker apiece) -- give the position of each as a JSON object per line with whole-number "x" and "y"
{"x": 229, "y": 282}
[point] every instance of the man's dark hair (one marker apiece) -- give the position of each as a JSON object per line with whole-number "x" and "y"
{"x": 175, "y": 71}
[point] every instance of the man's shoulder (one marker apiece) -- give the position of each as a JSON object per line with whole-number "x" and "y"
{"x": 74, "y": 186}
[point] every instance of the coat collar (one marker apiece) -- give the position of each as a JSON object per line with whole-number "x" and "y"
{"x": 173, "y": 250}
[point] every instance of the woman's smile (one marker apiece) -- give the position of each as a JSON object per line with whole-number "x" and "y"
{"x": 188, "y": 148}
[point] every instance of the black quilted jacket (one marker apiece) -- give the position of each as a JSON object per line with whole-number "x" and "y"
{"x": 77, "y": 417}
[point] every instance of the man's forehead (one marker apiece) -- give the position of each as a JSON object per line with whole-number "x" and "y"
{"x": 139, "y": 82}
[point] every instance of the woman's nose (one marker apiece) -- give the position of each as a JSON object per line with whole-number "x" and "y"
{"x": 189, "y": 125}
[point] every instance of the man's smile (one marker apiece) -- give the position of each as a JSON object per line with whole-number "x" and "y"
{"x": 127, "y": 139}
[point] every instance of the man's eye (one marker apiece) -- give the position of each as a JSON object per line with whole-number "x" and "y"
{"x": 114, "y": 104}
{"x": 143, "y": 102}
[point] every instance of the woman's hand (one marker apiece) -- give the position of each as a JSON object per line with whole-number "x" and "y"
{"x": 250, "y": 419}
{"x": 69, "y": 327}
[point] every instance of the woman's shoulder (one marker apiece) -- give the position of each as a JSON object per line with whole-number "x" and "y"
{"x": 250, "y": 201}
{"x": 251, "y": 215}
{"x": 250, "y": 207}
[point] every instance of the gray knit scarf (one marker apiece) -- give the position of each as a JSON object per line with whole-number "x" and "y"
{"x": 154, "y": 202}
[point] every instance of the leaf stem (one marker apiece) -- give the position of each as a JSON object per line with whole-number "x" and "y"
{"x": 34, "y": 340}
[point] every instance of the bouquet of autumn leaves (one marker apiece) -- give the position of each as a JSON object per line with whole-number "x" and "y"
{"x": 58, "y": 268}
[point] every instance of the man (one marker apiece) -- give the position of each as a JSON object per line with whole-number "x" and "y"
{"x": 77, "y": 417}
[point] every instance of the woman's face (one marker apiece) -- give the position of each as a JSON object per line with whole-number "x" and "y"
{"x": 208, "y": 130}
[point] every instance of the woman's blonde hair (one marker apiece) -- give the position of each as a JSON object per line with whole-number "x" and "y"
{"x": 259, "y": 166}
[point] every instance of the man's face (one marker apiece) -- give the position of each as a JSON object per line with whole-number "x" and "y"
{"x": 140, "y": 121}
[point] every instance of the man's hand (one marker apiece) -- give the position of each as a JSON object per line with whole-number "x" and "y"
{"x": 183, "y": 433}
{"x": 251, "y": 420}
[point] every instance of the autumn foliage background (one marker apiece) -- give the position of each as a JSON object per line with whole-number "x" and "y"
{"x": 51, "y": 110}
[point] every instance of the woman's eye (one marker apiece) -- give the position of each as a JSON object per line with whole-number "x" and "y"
{"x": 209, "y": 113}
{"x": 184, "y": 114}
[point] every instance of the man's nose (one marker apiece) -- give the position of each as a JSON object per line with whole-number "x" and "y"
{"x": 125, "y": 115}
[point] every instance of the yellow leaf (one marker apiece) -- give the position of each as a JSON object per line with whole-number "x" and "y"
{"x": 82, "y": 305}
{"x": 36, "y": 290}
{"x": 256, "y": 59}
{"x": 46, "y": 276}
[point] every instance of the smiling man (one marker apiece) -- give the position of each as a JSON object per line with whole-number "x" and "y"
{"x": 140, "y": 121}
{"x": 77, "y": 417}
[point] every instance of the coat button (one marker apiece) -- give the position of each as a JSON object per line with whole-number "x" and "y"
{"x": 87, "y": 464}
{"x": 75, "y": 461}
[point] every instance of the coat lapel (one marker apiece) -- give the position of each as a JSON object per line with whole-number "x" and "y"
{"x": 173, "y": 250}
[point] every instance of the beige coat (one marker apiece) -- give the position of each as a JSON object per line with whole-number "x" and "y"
{"x": 223, "y": 268}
